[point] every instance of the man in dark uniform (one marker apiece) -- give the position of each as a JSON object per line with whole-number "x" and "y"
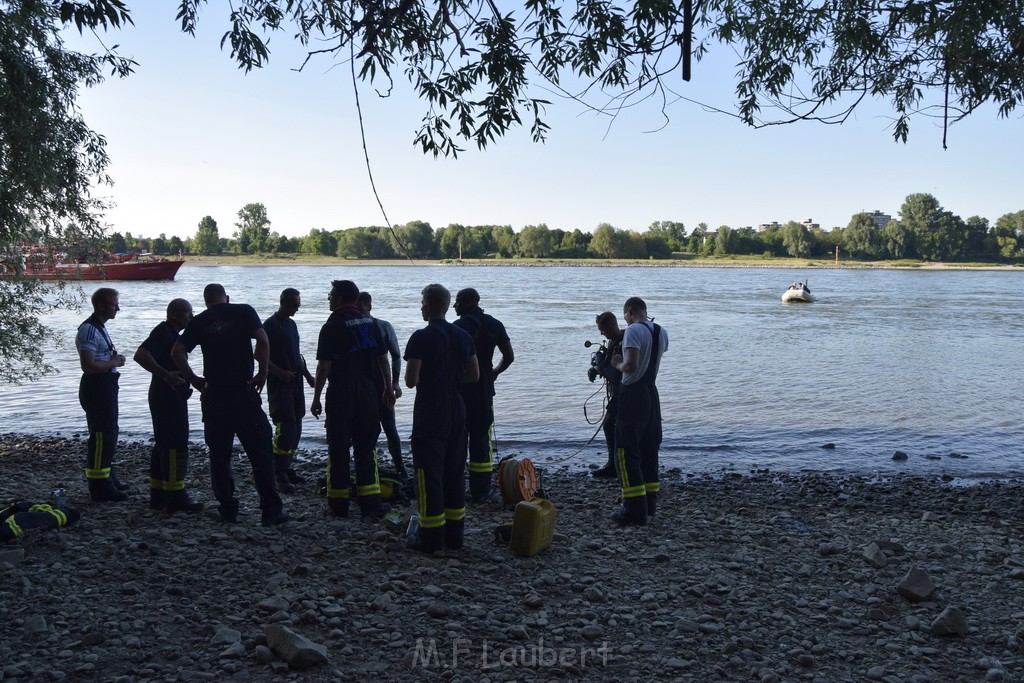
{"x": 638, "y": 429}
{"x": 231, "y": 397}
{"x": 487, "y": 333}
{"x": 97, "y": 392}
{"x": 284, "y": 387}
{"x": 168, "y": 405}
{"x": 608, "y": 325}
{"x": 349, "y": 351}
{"x": 439, "y": 359}
{"x": 387, "y": 415}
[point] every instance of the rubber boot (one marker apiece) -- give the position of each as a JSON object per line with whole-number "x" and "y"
{"x": 157, "y": 499}
{"x": 371, "y": 507}
{"x": 118, "y": 484}
{"x": 428, "y": 541}
{"x": 293, "y": 476}
{"x": 453, "y": 534}
{"x": 179, "y": 501}
{"x": 228, "y": 512}
{"x": 103, "y": 491}
{"x": 652, "y": 504}
{"x": 284, "y": 484}
{"x": 606, "y": 472}
{"x": 633, "y": 512}
{"x": 338, "y": 507}
{"x": 479, "y": 487}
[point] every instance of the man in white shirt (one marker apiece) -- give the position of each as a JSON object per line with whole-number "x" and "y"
{"x": 638, "y": 428}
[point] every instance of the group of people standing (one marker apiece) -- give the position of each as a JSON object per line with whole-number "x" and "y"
{"x": 358, "y": 363}
{"x": 453, "y": 405}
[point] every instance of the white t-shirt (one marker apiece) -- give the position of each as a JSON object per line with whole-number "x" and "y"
{"x": 93, "y": 337}
{"x": 639, "y": 336}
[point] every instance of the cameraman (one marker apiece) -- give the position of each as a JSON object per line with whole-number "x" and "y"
{"x": 601, "y": 365}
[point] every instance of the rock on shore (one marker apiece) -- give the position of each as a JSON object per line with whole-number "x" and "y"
{"x": 760, "y": 577}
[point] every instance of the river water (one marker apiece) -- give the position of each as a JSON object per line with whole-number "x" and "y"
{"x": 924, "y": 362}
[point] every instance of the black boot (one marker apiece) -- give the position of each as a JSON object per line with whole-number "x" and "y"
{"x": 157, "y": 499}
{"x": 103, "y": 491}
{"x": 273, "y": 518}
{"x": 633, "y": 512}
{"x": 479, "y": 487}
{"x": 652, "y": 504}
{"x": 338, "y": 507}
{"x": 284, "y": 485}
{"x": 118, "y": 484}
{"x": 179, "y": 501}
{"x": 427, "y": 541}
{"x": 293, "y": 476}
{"x": 371, "y": 507}
{"x": 453, "y": 534}
{"x": 606, "y": 472}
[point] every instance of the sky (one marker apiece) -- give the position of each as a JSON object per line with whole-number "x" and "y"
{"x": 191, "y": 135}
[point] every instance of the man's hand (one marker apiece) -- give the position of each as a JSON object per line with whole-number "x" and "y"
{"x": 174, "y": 378}
{"x": 398, "y": 390}
{"x": 315, "y": 409}
{"x": 389, "y": 397}
{"x": 258, "y": 381}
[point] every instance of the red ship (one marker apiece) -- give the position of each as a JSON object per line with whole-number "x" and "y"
{"x": 40, "y": 266}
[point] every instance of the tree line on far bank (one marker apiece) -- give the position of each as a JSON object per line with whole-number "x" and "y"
{"x": 923, "y": 230}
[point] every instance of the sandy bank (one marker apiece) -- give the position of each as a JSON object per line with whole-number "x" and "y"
{"x": 795, "y": 264}
{"x": 762, "y": 577}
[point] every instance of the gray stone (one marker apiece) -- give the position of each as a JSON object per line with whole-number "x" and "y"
{"x": 36, "y": 624}
{"x": 93, "y": 638}
{"x": 274, "y": 604}
{"x": 12, "y": 555}
{"x": 916, "y": 586}
{"x": 233, "y": 651}
{"x": 874, "y": 555}
{"x": 264, "y": 654}
{"x": 296, "y": 650}
{"x": 899, "y": 455}
{"x": 225, "y": 636}
{"x": 951, "y": 622}
{"x": 876, "y": 673}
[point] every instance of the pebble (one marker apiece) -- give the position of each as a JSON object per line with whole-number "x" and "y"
{"x": 758, "y": 576}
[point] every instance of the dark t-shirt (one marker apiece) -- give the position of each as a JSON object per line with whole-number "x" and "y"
{"x": 443, "y": 350}
{"x": 225, "y": 333}
{"x": 159, "y": 343}
{"x": 283, "y": 334}
{"x": 487, "y": 333}
{"x": 352, "y": 342}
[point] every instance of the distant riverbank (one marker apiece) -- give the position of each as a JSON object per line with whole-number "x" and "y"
{"x": 696, "y": 262}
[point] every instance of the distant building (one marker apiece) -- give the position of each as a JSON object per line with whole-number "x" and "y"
{"x": 881, "y": 219}
{"x": 810, "y": 224}
{"x": 764, "y": 227}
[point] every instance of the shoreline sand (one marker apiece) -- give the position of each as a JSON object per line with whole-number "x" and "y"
{"x": 764, "y": 577}
{"x": 798, "y": 264}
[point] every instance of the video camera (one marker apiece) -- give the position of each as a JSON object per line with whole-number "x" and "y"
{"x": 598, "y": 359}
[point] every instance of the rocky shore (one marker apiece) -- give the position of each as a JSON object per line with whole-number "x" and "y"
{"x": 760, "y": 577}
